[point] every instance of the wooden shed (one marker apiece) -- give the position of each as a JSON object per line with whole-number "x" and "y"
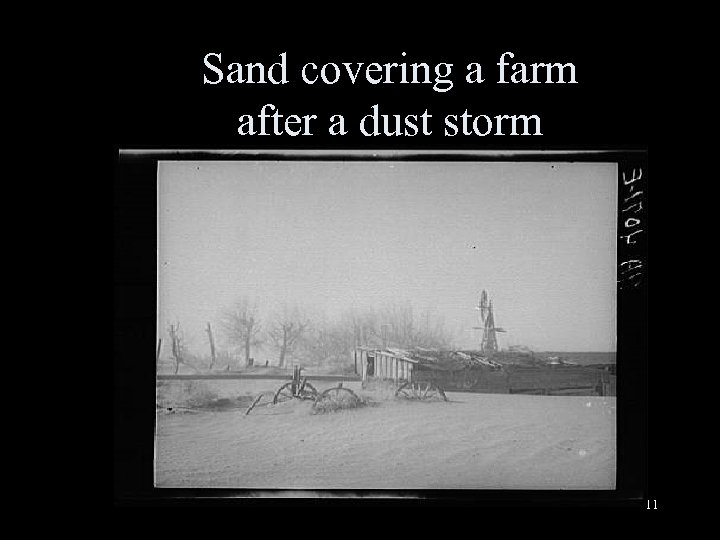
{"x": 419, "y": 365}
{"x": 473, "y": 371}
{"x": 389, "y": 364}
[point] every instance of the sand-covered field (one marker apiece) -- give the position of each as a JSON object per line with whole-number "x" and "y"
{"x": 484, "y": 441}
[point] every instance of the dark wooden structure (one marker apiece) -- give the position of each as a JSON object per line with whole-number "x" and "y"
{"x": 473, "y": 371}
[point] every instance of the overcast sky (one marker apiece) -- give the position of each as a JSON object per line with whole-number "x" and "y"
{"x": 539, "y": 237}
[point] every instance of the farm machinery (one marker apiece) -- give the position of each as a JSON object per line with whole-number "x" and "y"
{"x": 298, "y": 388}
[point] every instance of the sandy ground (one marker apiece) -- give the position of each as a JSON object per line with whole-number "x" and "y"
{"x": 484, "y": 441}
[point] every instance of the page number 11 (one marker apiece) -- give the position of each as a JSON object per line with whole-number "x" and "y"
{"x": 654, "y": 505}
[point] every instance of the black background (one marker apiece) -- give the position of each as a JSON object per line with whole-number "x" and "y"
{"x": 158, "y": 101}
{"x": 161, "y": 101}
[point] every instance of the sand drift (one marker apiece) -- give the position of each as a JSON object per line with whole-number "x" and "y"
{"x": 473, "y": 441}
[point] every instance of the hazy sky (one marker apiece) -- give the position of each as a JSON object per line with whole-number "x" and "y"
{"x": 539, "y": 237}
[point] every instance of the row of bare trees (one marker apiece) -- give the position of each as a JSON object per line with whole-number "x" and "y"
{"x": 292, "y": 333}
{"x": 242, "y": 327}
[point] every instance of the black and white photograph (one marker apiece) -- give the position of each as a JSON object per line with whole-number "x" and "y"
{"x": 385, "y": 324}
{"x": 386, "y": 273}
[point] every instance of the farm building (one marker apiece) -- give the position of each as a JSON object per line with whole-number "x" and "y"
{"x": 418, "y": 365}
{"x": 473, "y": 371}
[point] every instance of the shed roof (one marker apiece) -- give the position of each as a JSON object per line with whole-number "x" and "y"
{"x": 442, "y": 360}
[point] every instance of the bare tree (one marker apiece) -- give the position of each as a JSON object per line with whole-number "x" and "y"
{"x": 286, "y": 331}
{"x": 324, "y": 341}
{"x": 213, "y": 356}
{"x": 241, "y": 326}
{"x": 391, "y": 325}
{"x": 178, "y": 347}
{"x": 363, "y": 328}
{"x": 399, "y": 325}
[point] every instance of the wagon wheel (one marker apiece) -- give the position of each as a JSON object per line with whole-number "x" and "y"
{"x": 420, "y": 390}
{"x": 441, "y": 393}
{"x": 430, "y": 391}
{"x": 408, "y": 390}
{"x": 284, "y": 393}
{"x": 307, "y": 391}
{"x": 337, "y": 394}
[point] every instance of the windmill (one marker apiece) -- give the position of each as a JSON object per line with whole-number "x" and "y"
{"x": 488, "y": 344}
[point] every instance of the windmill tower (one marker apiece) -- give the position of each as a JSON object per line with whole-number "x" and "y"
{"x": 488, "y": 343}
